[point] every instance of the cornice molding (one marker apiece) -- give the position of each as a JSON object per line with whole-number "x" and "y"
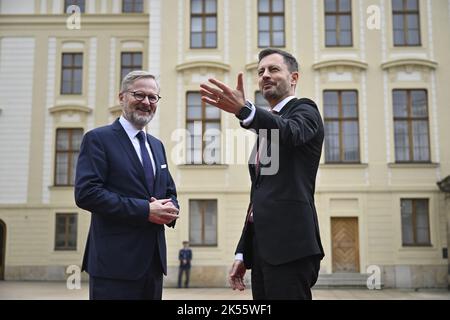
{"x": 409, "y": 62}
{"x": 70, "y": 108}
{"x": 203, "y": 64}
{"x": 340, "y": 63}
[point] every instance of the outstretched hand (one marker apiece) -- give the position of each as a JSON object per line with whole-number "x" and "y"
{"x": 223, "y": 96}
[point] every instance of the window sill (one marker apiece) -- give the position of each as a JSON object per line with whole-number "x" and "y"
{"x": 203, "y": 166}
{"x": 344, "y": 165}
{"x": 414, "y": 165}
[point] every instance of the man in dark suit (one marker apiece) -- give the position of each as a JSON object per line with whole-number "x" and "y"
{"x": 123, "y": 179}
{"x": 185, "y": 257}
{"x": 280, "y": 241}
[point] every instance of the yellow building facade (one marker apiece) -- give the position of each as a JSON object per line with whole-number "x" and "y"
{"x": 378, "y": 69}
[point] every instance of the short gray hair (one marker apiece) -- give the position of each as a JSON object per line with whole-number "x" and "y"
{"x": 133, "y": 76}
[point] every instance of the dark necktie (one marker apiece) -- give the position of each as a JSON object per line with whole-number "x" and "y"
{"x": 146, "y": 162}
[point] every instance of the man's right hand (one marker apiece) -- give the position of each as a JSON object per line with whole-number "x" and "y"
{"x": 162, "y": 211}
{"x": 236, "y": 276}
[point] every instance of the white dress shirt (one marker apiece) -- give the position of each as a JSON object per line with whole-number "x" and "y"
{"x": 132, "y": 132}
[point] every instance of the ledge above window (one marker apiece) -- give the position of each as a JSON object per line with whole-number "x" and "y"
{"x": 344, "y": 165}
{"x": 70, "y": 108}
{"x": 341, "y": 63}
{"x": 414, "y": 165}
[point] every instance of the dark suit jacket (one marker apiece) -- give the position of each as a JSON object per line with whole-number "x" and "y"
{"x": 185, "y": 254}
{"x": 110, "y": 184}
{"x": 285, "y": 219}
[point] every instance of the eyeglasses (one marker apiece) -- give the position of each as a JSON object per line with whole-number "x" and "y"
{"x": 140, "y": 96}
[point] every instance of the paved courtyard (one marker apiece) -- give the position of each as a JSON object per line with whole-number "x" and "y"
{"x": 31, "y": 290}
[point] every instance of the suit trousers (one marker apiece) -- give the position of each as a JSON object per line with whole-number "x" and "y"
{"x": 288, "y": 281}
{"x": 149, "y": 287}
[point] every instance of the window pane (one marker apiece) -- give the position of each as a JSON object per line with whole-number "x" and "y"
{"x": 212, "y": 112}
{"x": 331, "y": 38}
{"x": 398, "y": 22}
{"x": 332, "y": 153}
{"x": 126, "y": 59}
{"x": 210, "y": 40}
{"x": 413, "y": 21}
{"x": 400, "y": 104}
{"x": 345, "y": 23}
{"x": 263, "y": 6}
{"x": 397, "y": 5}
{"x": 330, "y": 23}
{"x": 413, "y": 37}
{"x": 401, "y": 141}
{"x": 211, "y": 222}
{"x": 196, "y": 24}
{"x": 344, "y": 5}
{"x": 422, "y": 224}
{"x": 264, "y": 23}
{"x": 67, "y": 60}
{"x": 419, "y": 103}
{"x": 399, "y": 38}
{"x": 62, "y": 140}
{"x": 407, "y": 223}
{"x": 264, "y": 39}
{"x": 78, "y": 60}
{"x": 278, "y": 6}
{"x": 331, "y": 104}
{"x": 420, "y": 141}
{"x": 351, "y": 141}
{"x": 278, "y": 23}
{"x": 62, "y": 162}
{"x": 211, "y": 24}
{"x": 195, "y": 221}
{"x": 196, "y": 40}
{"x": 210, "y": 6}
{"x": 196, "y": 6}
{"x": 412, "y": 5}
{"x": 330, "y": 6}
{"x": 278, "y": 39}
{"x": 349, "y": 104}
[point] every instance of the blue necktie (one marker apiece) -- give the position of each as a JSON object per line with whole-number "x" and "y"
{"x": 146, "y": 162}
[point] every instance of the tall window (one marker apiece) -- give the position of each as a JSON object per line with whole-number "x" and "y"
{"x": 415, "y": 222}
{"x": 132, "y": 6}
{"x": 406, "y": 22}
{"x": 270, "y": 23}
{"x": 72, "y": 73}
{"x": 130, "y": 61}
{"x": 66, "y": 231}
{"x": 203, "y": 125}
{"x": 411, "y": 126}
{"x": 341, "y": 126}
{"x": 79, "y": 3}
{"x": 260, "y": 101}
{"x": 203, "y": 222}
{"x": 203, "y": 24}
{"x": 68, "y": 143}
{"x": 338, "y": 23}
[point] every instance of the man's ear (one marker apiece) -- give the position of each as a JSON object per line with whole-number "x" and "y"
{"x": 294, "y": 78}
{"x": 121, "y": 97}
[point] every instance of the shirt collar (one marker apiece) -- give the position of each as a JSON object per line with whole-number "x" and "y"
{"x": 282, "y": 103}
{"x": 129, "y": 128}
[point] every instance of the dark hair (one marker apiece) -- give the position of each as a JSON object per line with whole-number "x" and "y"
{"x": 289, "y": 59}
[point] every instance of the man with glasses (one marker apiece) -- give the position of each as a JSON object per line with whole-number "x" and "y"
{"x": 123, "y": 179}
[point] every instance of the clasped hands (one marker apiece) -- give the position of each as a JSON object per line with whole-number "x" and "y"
{"x": 162, "y": 211}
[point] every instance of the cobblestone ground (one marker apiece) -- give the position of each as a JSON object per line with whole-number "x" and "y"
{"x": 31, "y": 290}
